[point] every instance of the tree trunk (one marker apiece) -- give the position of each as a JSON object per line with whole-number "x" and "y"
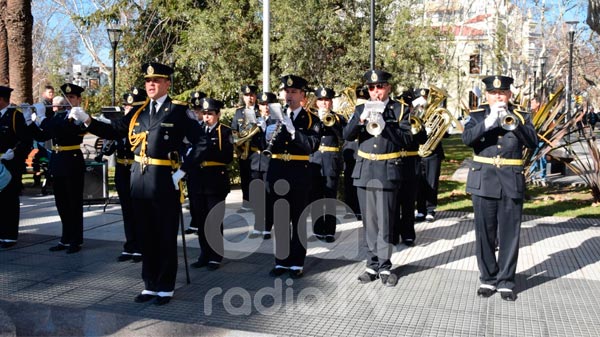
{"x": 19, "y": 24}
{"x": 3, "y": 47}
{"x": 593, "y": 15}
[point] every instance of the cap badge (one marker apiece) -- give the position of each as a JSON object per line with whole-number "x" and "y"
{"x": 497, "y": 83}
{"x": 68, "y": 89}
{"x": 374, "y": 76}
{"x": 247, "y": 90}
{"x": 135, "y": 91}
{"x": 265, "y": 97}
{"x": 196, "y": 94}
{"x": 205, "y": 105}
{"x": 422, "y": 92}
{"x": 196, "y": 102}
{"x": 150, "y": 70}
{"x": 129, "y": 99}
{"x": 290, "y": 82}
{"x": 323, "y": 92}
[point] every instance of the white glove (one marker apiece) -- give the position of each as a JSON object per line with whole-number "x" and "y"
{"x": 491, "y": 120}
{"x": 39, "y": 116}
{"x": 364, "y": 115}
{"x": 428, "y": 130}
{"x": 8, "y": 155}
{"x": 419, "y": 101}
{"x": 28, "y": 115}
{"x": 322, "y": 113}
{"x": 177, "y": 176}
{"x": 262, "y": 123}
{"x": 103, "y": 119}
{"x": 289, "y": 125}
{"x": 79, "y": 115}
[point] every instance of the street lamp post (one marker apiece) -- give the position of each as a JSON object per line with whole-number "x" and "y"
{"x": 542, "y": 64}
{"x": 572, "y": 26}
{"x": 114, "y": 36}
{"x": 535, "y": 68}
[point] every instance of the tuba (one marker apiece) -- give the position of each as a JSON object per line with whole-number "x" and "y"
{"x": 242, "y": 138}
{"x": 437, "y": 121}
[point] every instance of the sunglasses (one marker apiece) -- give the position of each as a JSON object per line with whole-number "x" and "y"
{"x": 378, "y": 86}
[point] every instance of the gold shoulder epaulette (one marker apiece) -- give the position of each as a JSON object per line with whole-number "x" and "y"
{"x": 227, "y": 126}
{"x": 477, "y": 110}
{"x": 179, "y": 102}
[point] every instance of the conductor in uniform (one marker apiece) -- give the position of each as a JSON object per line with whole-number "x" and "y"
{"x": 326, "y": 165}
{"x": 209, "y": 184}
{"x": 237, "y": 124}
{"x": 156, "y": 131}
{"x": 290, "y": 143}
{"x": 123, "y": 162}
{"x": 15, "y": 144}
{"x": 498, "y": 131}
{"x": 67, "y": 167}
{"x": 378, "y": 172}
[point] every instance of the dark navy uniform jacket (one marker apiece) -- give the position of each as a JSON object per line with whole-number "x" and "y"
{"x": 256, "y": 143}
{"x": 14, "y": 135}
{"x": 206, "y": 179}
{"x": 331, "y": 162}
{"x": 165, "y": 134}
{"x": 393, "y": 138}
{"x": 63, "y": 133}
{"x": 305, "y": 142}
{"x": 487, "y": 180}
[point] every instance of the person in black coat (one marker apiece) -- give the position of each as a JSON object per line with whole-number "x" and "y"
{"x": 156, "y": 130}
{"x": 123, "y": 161}
{"x": 209, "y": 185}
{"x": 291, "y": 141}
{"x": 498, "y": 131}
{"x": 15, "y": 144}
{"x": 67, "y": 167}
{"x": 326, "y": 165}
{"x": 239, "y": 122}
{"x": 259, "y": 199}
{"x": 378, "y": 171}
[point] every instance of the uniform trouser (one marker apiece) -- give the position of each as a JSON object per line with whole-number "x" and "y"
{"x": 9, "y": 203}
{"x": 157, "y": 227}
{"x": 259, "y": 203}
{"x": 245, "y": 180}
{"x": 210, "y": 211}
{"x": 429, "y": 180}
{"x": 377, "y": 208}
{"x": 350, "y": 197}
{"x": 404, "y": 218}
{"x": 68, "y": 196}
{"x": 290, "y": 227}
{"x": 324, "y": 199}
{"x": 122, "y": 179}
{"x": 497, "y": 219}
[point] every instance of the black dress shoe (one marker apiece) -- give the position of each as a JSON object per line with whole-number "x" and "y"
{"x": 296, "y": 273}
{"x": 162, "y": 300}
{"x": 190, "y": 231}
{"x": 276, "y": 272}
{"x": 73, "y": 249}
{"x": 330, "y": 238}
{"x": 199, "y": 264}
{"x": 409, "y": 242}
{"x": 358, "y": 217}
{"x": 58, "y": 248}
{"x": 389, "y": 280}
{"x": 266, "y": 236}
{"x": 213, "y": 266}
{"x": 8, "y": 244}
{"x": 485, "y": 292}
{"x": 142, "y": 298}
{"x": 367, "y": 277}
{"x": 136, "y": 258}
{"x": 508, "y": 296}
{"x": 124, "y": 257}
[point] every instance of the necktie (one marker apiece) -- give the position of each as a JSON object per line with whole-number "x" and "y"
{"x": 292, "y": 115}
{"x": 153, "y": 108}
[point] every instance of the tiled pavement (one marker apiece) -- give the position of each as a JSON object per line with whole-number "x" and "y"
{"x": 54, "y": 294}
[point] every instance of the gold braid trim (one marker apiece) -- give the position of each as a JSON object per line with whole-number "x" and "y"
{"x": 136, "y": 139}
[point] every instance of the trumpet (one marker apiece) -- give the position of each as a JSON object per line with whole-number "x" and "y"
{"x": 375, "y": 121}
{"x": 327, "y": 117}
{"x": 509, "y": 122}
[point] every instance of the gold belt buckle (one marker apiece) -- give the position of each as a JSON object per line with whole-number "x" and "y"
{"x": 498, "y": 161}
{"x": 372, "y": 156}
{"x": 286, "y": 157}
{"x": 403, "y": 153}
{"x": 144, "y": 162}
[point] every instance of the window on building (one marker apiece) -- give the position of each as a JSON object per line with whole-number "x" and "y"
{"x": 474, "y": 62}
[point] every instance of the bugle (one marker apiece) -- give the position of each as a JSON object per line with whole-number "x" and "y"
{"x": 328, "y": 119}
{"x": 509, "y": 122}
